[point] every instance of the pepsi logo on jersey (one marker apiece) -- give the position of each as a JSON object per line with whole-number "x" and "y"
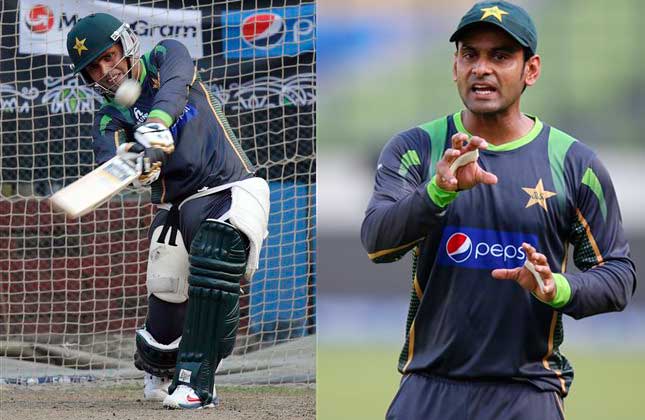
{"x": 483, "y": 248}
{"x": 458, "y": 247}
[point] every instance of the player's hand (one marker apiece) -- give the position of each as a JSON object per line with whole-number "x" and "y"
{"x": 154, "y": 135}
{"x": 525, "y": 278}
{"x": 467, "y": 176}
{"x": 147, "y": 161}
{"x": 130, "y": 152}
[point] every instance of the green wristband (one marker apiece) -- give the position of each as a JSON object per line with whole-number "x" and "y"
{"x": 162, "y": 115}
{"x": 562, "y": 291}
{"x": 438, "y": 195}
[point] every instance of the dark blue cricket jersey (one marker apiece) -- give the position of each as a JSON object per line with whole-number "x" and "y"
{"x": 207, "y": 154}
{"x": 552, "y": 192}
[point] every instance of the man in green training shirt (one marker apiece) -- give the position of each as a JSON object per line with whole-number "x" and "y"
{"x": 486, "y": 195}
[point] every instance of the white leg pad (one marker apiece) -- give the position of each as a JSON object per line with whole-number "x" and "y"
{"x": 249, "y": 213}
{"x": 167, "y": 276}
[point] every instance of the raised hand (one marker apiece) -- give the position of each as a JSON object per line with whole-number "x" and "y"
{"x": 525, "y": 278}
{"x": 467, "y": 176}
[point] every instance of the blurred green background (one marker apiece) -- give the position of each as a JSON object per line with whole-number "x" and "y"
{"x": 385, "y": 67}
{"x": 355, "y": 382}
{"x": 591, "y": 81}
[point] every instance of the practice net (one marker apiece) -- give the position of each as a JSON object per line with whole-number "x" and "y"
{"x": 72, "y": 292}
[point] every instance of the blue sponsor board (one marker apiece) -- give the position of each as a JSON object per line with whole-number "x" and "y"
{"x": 284, "y": 283}
{"x": 273, "y": 32}
{"x": 483, "y": 248}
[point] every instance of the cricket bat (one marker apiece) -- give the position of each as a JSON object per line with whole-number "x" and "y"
{"x": 95, "y": 188}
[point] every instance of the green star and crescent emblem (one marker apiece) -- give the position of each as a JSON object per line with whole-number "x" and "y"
{"x": 538, "y": 195}
{"x": 79, "y": 46}
{"x": 493, "y": 11}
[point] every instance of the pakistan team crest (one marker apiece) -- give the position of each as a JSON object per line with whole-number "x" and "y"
{"x": 538, "y": 195}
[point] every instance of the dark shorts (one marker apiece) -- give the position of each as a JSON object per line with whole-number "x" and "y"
{"x": 429, "y": 398}
{"x": 192, "y": 214}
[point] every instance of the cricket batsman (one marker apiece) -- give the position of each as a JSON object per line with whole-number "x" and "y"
{"x": 212, "y": 212}
{"x": 483, "y": 196}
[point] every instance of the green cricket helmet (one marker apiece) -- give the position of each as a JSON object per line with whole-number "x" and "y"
{"x": 91, "y": 36}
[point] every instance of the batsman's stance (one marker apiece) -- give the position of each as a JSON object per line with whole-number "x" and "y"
{"x": 490, "y": 199}
{"x": 212, "y": 212}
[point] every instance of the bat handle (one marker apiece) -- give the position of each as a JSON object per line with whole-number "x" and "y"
{"x": 155, "y": 155}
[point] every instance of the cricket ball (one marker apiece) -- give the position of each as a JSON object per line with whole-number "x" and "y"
{"x": 128, "y": 93}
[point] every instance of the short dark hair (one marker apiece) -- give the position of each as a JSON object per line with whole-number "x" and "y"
{"x": 527, "y": 54}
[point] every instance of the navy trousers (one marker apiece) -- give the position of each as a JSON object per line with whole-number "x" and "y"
{"x": 425, "y": 397}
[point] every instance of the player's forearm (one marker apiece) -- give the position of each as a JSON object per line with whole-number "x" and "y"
{"x": 604, "y": 288}
{"x": 171, "y": 100}
{"x": 391, "y": 228}
{"x": 177, "y": 72}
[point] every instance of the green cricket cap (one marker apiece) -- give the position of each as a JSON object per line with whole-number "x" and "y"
{"x": 510, "y": 17}
{"x": 90, "y": 37}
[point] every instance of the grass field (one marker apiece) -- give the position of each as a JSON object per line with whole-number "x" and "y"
{"x": 359, "y": 382}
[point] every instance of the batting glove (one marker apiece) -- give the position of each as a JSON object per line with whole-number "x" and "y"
{"x": 146, "y": 161}
{"x": 155, "y": 135}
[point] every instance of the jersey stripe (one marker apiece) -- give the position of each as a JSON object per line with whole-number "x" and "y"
{"x": 410, "y": 158}
{"x": 545, "y": 359}
{"x": 228, "y": 133}
{"x": 378, "y": 254}
{"x": 410, "y": 347}
{"x": 163, "y": 190}
{"x": 192, "y": 82}
{"x": 105, "y": 120}
{"x": 563, "y": 267}
{"x": 591, "y": 180}
{"x": 407, "y": 353}
{"x": 144, "y": 72}
{"x": 116, "y": 139}
{"x": 437, "y": 131}
{"x": 558, "y": 146}
{"x": 592, "y": 240}
{"x": 417, "y": 287}
{"x": 554, "y": 321}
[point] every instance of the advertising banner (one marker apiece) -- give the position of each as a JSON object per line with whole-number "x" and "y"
{"x": 44, "y": 26}
{"x": 274, "y": 32}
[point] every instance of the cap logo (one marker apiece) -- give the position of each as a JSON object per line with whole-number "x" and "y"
{"x": 493, "y": 11}
{"x": 79, "y": 46}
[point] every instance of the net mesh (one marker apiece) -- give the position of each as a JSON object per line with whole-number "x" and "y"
{"x": 72, "y": 292}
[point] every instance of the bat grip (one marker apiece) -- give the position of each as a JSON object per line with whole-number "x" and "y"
{"x": 155, "y": 155}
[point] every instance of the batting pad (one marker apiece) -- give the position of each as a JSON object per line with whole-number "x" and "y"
{"x": 218, "y": 257}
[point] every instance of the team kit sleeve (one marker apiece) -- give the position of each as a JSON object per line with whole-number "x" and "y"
{"x": 401, "y": 210}
{"x": 176, "y": 74}
{"x": 107, "y": 134}
{"x": 600, "y": 250}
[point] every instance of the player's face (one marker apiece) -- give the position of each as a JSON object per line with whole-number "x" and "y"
{"x": 109, "y": 69}
{"x": 490, "y": 70}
